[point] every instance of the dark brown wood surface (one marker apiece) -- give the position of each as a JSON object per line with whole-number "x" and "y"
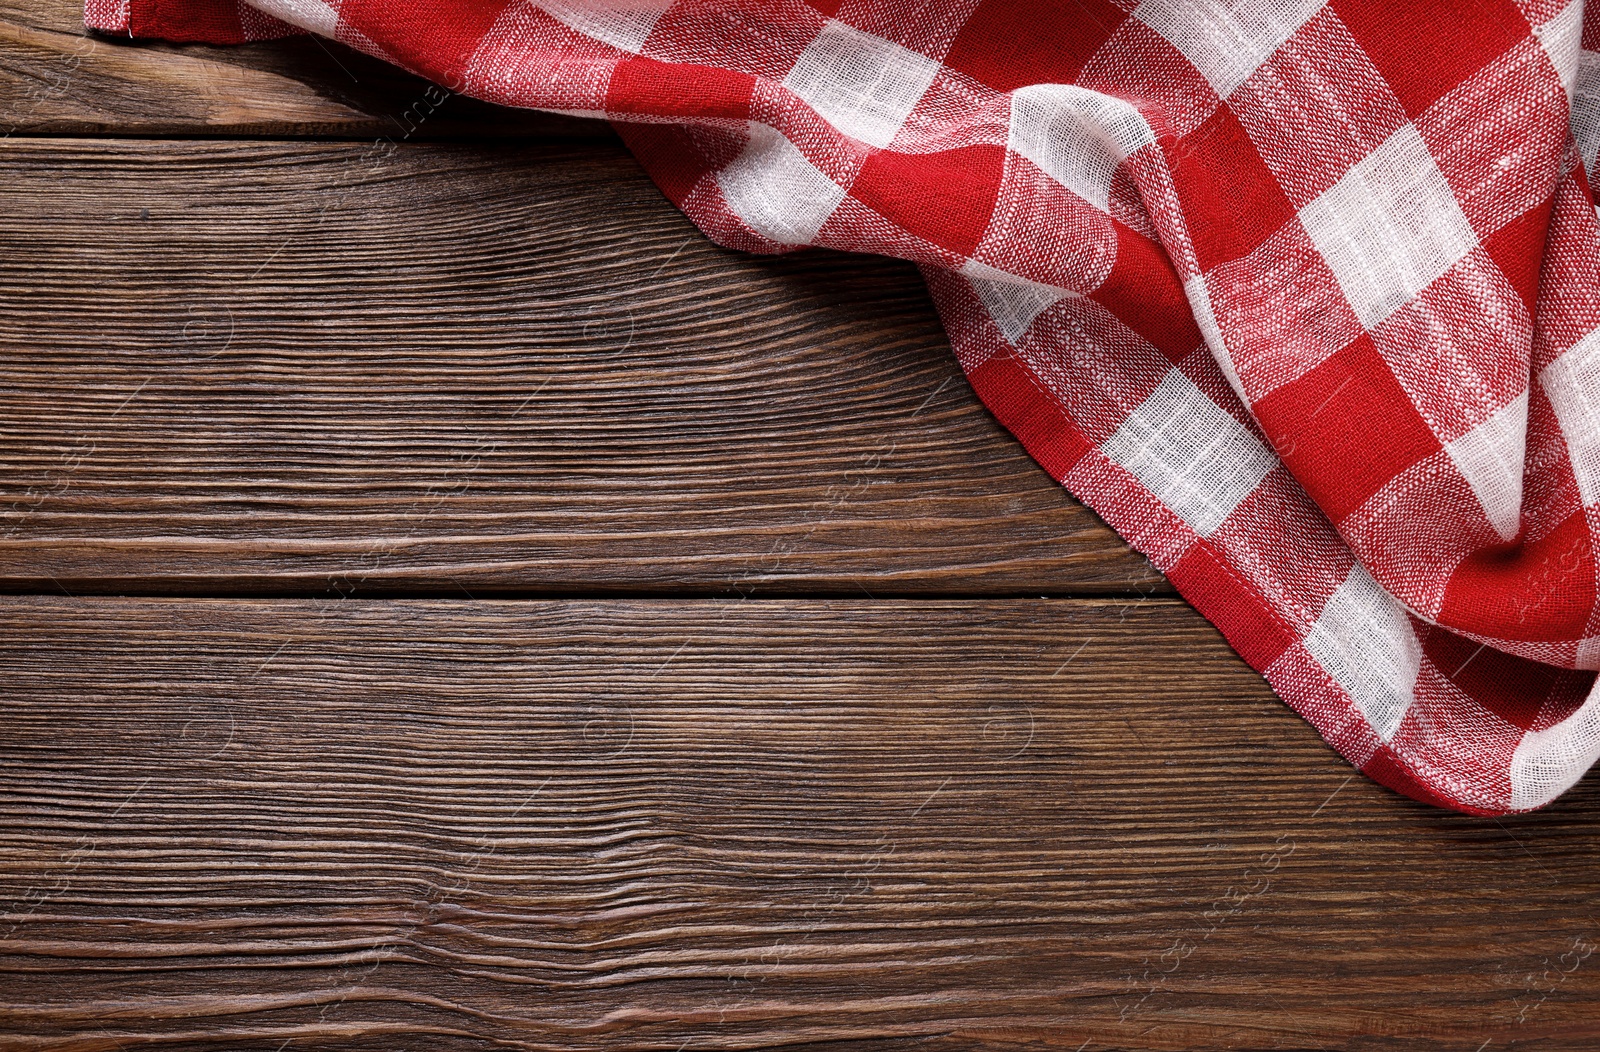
{"x": 377, "y": 496}
{"x": 55, "y": 79}
{"x": 287, "y": 367}
{"x": 724, "y": 824}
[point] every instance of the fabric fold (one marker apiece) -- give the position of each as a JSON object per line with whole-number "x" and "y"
{"x": 1302, "y": 297}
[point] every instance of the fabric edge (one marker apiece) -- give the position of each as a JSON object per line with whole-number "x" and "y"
{"x": 107, "y": 16}
{"x": 1219, "y": 595}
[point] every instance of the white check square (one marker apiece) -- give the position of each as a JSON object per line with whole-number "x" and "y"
{"x": 1572, "y": 383}
{"x": 862, "y": 84}
{"x": 1586, "y": 107}
{"x": 1549, "y": 761}
{"x": 1363, "y": 639}
{"x": 1011, "y": 301}
{"x": 1076, "y": 136}
{"x": 1561, "y": 37}
{"x": 1190, "y": 453}
{"x": 317, "y": 16}
{"x": 1490, "y": 458}
{"x": 776, "y": 191}
{"x": 624, "y": 24}
{"x": 1389, "y": 227}
{"x": 1226, "y": 41}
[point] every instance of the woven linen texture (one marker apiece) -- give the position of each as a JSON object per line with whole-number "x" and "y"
{"x": 1302, "y": 297}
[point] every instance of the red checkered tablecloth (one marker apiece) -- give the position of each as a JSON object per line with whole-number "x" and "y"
{"x": 1302, "y": 297}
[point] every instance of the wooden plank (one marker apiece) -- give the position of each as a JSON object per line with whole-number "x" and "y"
{"x": 290, "y": 368}
{"x": 57, "y": 79}
{"x": 703, "y": 824}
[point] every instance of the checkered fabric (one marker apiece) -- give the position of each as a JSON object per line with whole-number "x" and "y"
{"x": 1302, "y": 297}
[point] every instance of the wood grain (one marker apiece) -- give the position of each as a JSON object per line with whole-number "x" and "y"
{"x": 704, "y": 824}
{"x": 57, "y": 79}
{"x": 476, "y": 354}
{"x": 299, "y": 368}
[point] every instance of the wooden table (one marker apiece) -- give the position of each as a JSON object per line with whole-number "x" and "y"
{"x": 449, "y": 604}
